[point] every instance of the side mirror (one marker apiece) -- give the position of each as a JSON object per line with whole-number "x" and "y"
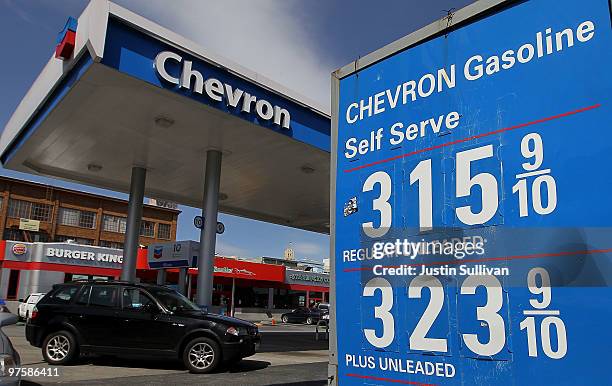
{"x": 21, "y": 300}
{"x": 6, "y": 319}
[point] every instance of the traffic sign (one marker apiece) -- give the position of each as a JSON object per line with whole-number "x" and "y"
{"x": 220, "y": 228}
{"x": 198, "y": 221}
{"x": 471, "y": 201}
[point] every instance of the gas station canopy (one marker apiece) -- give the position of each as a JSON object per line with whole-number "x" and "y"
{"x": 135, "y": 94}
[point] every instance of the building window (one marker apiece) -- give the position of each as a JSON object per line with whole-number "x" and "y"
{"x": 1, "y": 201}
{"x": 77, "y": 218}
{"x": 111, "y": 244}
{"x": 19, "y": 209}
{"x": 13, "y": 234}
{"x": 147, "y": 228}
{"x": 163, "y": 231}
{"x": 41, "y": 212}
{"x": 16, "y": 234}
{"x": 113, "y": 223}
{"x": 78, "y": 240}
{"x": 29, "y": 210}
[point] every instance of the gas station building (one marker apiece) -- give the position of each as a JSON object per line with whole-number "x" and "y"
{"x": 260, "y": 288}
{"x": 127, "y": 105}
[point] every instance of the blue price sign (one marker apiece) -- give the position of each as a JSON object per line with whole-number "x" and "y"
{"x": 472, "y": 219}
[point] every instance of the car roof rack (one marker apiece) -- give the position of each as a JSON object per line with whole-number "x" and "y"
{"x": 100, "y": 281}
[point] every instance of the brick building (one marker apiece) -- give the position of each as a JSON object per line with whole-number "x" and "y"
{"x": 60, "y": 214}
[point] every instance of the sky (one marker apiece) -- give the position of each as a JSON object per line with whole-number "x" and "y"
{"x": 297, "y": 43}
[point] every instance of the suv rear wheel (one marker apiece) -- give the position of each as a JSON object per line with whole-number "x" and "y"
{"x": 201, "y": 355}
{"x": 60, "y": 348}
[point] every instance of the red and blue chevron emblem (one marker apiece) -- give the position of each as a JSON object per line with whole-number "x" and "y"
{"x": 66, "y": 40}
{"x": 158, "y": 252}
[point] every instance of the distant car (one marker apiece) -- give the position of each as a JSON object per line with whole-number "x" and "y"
{"x": 26, "y": 306}
{"x": 9, "y": 357}
{"x": 125, "y": 319}
{"x": 303, "y": 315}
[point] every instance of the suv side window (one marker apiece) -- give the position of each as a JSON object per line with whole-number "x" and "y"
{"x": 64, "y": 294}
{"x": 103, "y": 296}
{"x": 135, "y": 299}
{"x": 83, "y": 298}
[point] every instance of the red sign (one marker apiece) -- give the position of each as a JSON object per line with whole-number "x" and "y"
{"x": 19, "y": 249}
{"x": 248, "y": 270}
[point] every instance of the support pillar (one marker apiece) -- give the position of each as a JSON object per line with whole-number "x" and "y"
{"x": 182, "y": 280}
{"x": 132, "y": 231}
{"x": 232, "y": 308}
{"x": 161, "y": 276}
{"x": 307, "y": 298}
{"x": 270, "y": 299}
{"x": 208, "y": 233}
{"x": 189, "y": 278}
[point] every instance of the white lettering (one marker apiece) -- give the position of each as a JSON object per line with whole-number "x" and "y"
{"x": 246, "y": 102}
{"x": 188, "y": 74}
{"x": 378, "y": 102}
{"x": 160, "y": 65}
{"x": 233, "y": 97}
{"x": 214, "y": 89}
{"x": 469, "y": 75}
{"x": 348, "y": 113}
{"x": 264, "y": 109}
{"x": 585, "y": 31}
{"x": 282, "y": 117}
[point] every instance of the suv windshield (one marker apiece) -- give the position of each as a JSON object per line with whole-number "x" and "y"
{"x": 173, "y": 300}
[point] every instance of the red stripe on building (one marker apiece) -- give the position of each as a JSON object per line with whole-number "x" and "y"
{"x": 78, "y": 269}
{"x": 301, "y": 287}
{"x": 241, "y": 269}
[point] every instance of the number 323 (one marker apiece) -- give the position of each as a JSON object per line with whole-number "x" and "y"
{"x": 487, "y": 314}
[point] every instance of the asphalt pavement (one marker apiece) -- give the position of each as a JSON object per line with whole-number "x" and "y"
{"x": 289, "y": 355}
{"x": 248, "y": 372}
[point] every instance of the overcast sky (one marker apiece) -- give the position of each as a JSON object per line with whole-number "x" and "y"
{"x": 297, "y": 43}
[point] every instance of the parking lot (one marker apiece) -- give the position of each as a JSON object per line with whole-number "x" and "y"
{"x": 289, "y": 355}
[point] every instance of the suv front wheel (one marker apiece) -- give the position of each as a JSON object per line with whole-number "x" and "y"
{"x": 60, "y": 348}
{"x": 201, "y": 355}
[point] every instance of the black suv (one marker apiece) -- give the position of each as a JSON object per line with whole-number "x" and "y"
{"x": 125, "y": 319}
